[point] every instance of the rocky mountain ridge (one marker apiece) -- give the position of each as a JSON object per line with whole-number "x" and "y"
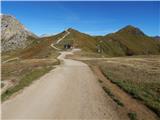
{"x": 13, "y": 34}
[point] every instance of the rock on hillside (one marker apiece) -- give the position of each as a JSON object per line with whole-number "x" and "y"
{"x": 13, "y": 34}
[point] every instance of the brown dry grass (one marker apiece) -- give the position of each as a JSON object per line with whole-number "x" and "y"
{"x": 21, "y": 73}
{"x": 139, "y": 76}
{"x": 17, "y": 69}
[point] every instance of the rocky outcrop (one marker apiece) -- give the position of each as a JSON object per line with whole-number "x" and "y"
{"x": 13, "y": 34}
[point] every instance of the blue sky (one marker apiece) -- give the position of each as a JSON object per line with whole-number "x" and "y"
{"x": 96, "y": 18}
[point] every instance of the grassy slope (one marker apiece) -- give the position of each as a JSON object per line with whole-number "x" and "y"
{"x": 42, "y": 49}
{"x": 39, "y": 48}
{"x": 110, "y": 47}
{"x": 81, "y": 40}
{"x": 127, "y": 41}
{"x": 130, "y": 41}
{"x": 14, "y": 53}
{"x": 138, "y": 76}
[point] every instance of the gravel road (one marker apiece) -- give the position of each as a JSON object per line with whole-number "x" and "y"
{"x": 70, "y": 91}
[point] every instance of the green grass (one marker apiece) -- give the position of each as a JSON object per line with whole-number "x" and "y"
{"x": 132, "y": 116}
{"x": 113, "y": 97}
{"x": 25, "y": 81}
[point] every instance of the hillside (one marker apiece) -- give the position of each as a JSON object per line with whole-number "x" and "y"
{"x": 128, "y": 41}
{"x": 125, "y": 42}
{"x": 14, "y": 35}
{"x": 18, "y": 41}
{"x": 80, "y": 40}
{"x": 41, "y": 48}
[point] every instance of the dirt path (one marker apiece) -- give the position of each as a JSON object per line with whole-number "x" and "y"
{"x": 16, "y": 58}
{"x": 131, "y": 105}
{"x": 59, "y": 40}
{"x": 71, "y": 91}
{"x": 67, "y": 33}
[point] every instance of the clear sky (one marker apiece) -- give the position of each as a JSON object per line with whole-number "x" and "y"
{"x": 96, "y": 18}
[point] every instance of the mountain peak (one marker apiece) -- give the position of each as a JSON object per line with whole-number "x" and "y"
{"x": 129, "y": 29}
{"x": 13, "y": 33}
{"x": 72, "y": 29}
{"x": 130, "y": 26}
